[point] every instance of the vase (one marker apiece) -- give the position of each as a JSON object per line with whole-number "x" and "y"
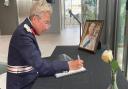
{"x": 113, "y": 84}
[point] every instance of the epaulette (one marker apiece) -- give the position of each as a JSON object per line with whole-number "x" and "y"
{"x": 27, "y": 28}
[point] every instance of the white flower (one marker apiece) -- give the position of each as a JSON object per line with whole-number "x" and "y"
{"x": 107, "y": 56}
{"x": 27, "y": 28}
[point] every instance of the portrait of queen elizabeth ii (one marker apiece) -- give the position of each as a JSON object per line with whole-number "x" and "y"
{"x": 91, "y": 33}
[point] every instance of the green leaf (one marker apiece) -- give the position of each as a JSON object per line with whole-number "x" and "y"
{"x": 114, "y": 65}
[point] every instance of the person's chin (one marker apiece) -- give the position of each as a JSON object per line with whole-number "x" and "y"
{"x": 45, "y": 30}
{"x": 38, "y": 34}
{"x": 42, "y": 32}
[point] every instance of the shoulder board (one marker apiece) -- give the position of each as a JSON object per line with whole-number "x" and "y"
{"x": 27, "y": 28}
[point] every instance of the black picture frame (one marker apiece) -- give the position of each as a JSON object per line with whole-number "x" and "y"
{"x": 91, "y": 35}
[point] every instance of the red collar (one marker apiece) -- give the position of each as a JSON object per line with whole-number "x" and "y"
{"x": 34, "y": 31}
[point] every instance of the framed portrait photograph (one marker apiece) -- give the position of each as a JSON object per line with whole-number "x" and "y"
{"x": 91, "y": 35}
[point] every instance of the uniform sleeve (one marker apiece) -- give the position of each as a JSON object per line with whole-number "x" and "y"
{"x": 31, "y": 56}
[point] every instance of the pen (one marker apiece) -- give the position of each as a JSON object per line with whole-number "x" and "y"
{"x": 78, "y": 56}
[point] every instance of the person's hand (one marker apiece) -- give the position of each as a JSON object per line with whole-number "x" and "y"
{"x": 75, "y": 64}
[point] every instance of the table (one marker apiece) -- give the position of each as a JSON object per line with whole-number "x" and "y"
{"x": 97, "y": 75}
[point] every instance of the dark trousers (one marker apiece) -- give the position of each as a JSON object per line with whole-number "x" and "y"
{"x": 29, "y": 86}
{"x": 11, "y": 84}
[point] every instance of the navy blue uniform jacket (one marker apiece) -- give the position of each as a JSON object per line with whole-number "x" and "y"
{"x": 24, "y": 50}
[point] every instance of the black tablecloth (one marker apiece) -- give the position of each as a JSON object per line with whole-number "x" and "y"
{"x": 97, "y": 75}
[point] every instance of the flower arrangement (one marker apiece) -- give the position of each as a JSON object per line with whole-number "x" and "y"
{"x": 107, "y": 57}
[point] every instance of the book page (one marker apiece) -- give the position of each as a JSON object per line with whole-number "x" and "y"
{"x": 66, "y": 73}
{"x": 65, "y": 57}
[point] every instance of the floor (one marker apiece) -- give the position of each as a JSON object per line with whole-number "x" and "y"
{"x": 47, "y": 43}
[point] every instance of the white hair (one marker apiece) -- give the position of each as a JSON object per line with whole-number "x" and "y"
{"x": 40, "y": 7}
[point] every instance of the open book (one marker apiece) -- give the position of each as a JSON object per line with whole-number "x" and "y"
{"x": 65, "y": 57}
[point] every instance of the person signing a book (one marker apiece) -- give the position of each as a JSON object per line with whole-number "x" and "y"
{"x": 24, "y": 57}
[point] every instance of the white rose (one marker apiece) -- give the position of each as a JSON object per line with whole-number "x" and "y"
{"x": 110, "y": 55}
{"x": 107, "y": 56}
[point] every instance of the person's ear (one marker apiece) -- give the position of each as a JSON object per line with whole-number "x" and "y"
{"x": 35, "y": 20}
